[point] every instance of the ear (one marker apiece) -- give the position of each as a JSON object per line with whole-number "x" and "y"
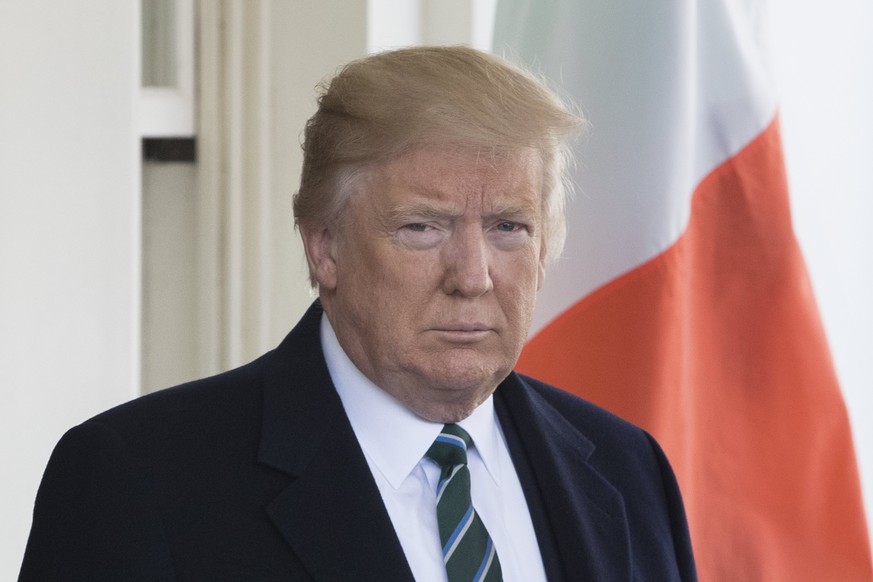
{"x": 320, "y": 246}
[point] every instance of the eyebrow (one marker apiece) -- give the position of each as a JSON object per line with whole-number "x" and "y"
{"x": 425, "y": 211}
{"x": 510, "y": 210}
{"x": 429, "y": 211}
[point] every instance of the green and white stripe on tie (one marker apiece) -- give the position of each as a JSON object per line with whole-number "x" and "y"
{"x": 468, "y": 551}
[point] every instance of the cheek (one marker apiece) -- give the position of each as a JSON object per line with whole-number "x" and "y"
{"x": 522, "y": 271}
{"x": 384, "y": 289}
{"x": 358, "y": 264}
{"x": 519, "y": 281}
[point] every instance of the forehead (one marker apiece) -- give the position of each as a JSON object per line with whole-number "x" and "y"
{"x": 483, "y": 178}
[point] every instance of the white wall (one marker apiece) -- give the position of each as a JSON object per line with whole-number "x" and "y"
{"x": 69, "y": 204}
{"x": 398, "y": 23}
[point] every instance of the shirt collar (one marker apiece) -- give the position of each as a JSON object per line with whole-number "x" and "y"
{"x": 378, "y": 419}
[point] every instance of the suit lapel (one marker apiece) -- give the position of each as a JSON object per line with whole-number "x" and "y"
{"x": 584, "y": 512}
{"x": 332, "y": 513}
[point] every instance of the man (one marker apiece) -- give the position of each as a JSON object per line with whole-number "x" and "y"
{"x": 387, "y": 437}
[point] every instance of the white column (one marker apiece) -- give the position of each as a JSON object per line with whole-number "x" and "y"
{"x": 260, "y": 63}
{"x": 69, "y": 233}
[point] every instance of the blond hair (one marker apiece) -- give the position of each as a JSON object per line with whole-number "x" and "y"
{"x": 379, "y": 107}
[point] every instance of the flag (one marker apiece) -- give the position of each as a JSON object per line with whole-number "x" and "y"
{"x": 682, "y": 302}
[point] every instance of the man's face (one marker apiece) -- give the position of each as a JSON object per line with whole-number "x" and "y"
{"x": 430, "y": 285}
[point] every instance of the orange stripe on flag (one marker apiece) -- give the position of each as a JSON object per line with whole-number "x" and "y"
{"x": 715, "y": 346}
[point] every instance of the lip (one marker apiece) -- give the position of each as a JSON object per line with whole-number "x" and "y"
{"x": 464, "y": 327}
{"x": 463, "y": 332}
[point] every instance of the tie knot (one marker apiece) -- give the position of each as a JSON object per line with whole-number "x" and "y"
{"x": 450, "y": 447}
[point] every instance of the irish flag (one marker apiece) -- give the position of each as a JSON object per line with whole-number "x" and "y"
{"x": 682, "y": 302}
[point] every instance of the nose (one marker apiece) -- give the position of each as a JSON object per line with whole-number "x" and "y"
{"x": 467, "y": 269}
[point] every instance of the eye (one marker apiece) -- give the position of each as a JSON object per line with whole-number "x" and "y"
{"x": 509, "y": 235}
{"x": 420, "y": 235}
{"x": 507, "y": 226}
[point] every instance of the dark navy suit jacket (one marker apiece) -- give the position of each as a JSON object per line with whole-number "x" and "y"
{"x": 256, "y": 474}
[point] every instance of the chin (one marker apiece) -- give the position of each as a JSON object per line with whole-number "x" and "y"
{"x": 456, "y": 396}
{"x": 468, "y": 368}
{"x": 449, "y": 389}
{"x": 443, "y": 412}
{"x": 464, "y": 384}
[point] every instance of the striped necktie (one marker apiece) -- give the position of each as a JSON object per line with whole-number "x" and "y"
{"x": 468, "y": 552}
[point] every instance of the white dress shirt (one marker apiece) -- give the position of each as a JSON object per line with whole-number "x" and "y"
{"x": 395, "y": 440}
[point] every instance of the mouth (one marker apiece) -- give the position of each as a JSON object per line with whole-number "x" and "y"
{"x": 471, "y": 327}
{"x": 464, "y": 332}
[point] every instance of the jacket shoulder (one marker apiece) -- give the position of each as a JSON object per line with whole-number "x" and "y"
{"x": 582, "y": 414}
{"x": 217, "y": 399}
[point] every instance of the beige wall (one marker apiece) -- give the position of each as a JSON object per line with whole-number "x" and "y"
{"x": 224, "y": 277}
{"x": 169, "y": 283}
